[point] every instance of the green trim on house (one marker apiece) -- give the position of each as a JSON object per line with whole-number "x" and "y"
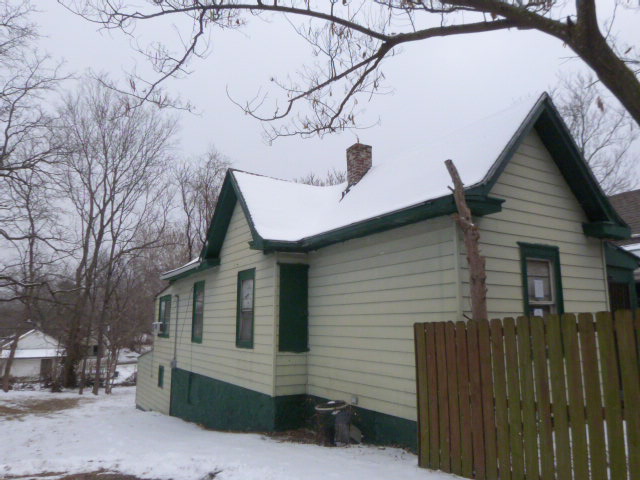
{"x": 242, "y": 276}
{"x": 621, "y": 265}
{"x": 197, "y": 315}
{"x": 620, "y": 258}
{"x": 224, "y": 406}
{"x": 161, "y": 376}
{"x": 204, "y": 265}
{"x": 164, "y": 307}
{"x": 293, "y": 324}
{"x": 542, "y": 252}
{"x": 547, "y": 122}
{"x": 606, "y": 230}
{"x": 480, "y": 205}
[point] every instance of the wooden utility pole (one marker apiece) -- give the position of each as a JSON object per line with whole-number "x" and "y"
{"x": 477, "y": 271}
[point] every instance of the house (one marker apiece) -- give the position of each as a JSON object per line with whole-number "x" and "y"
{"x": 35, "y": 358}
{"x": 305, "y": 293}
{"x": 624, "y": 288}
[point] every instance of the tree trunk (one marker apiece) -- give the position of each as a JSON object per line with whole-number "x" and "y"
{"x": 477, "y": 271}
{"x": 6, "y": 377}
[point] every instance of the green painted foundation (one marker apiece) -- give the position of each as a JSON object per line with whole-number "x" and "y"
{"x": 223, "y": 406}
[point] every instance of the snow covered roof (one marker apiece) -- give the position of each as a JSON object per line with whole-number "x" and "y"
{"x": 288, "y": 211}
{"x": 33, "y": 353}
{"x": 289, "y": 216}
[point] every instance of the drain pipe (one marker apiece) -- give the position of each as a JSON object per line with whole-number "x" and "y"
{"x": 174, "y": 361}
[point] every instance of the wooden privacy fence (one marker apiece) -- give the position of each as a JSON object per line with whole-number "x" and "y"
{"x": 532, "y": 398}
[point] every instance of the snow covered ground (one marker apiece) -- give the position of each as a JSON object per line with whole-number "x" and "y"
{"x": 107, "y": 432}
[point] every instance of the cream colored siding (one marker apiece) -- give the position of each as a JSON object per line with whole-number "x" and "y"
{"x": 217, "y": 356}
{"x": 148, "y": 395}
{"x": 539, "y": 208}
{"x": 364, "y": 297}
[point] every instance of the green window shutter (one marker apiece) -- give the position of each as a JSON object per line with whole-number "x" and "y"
{"x": 245, "y": 308}
{"x": 197, "y": 312}
{"x": 164, "y": 316}
{"x": 530, "y": 251}
{"x": 294, "y": 292}
{"x": 161, "y": 376}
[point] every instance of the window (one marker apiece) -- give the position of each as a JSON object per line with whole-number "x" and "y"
{"x": 198, "y": 312}
{"x": 161, "y": 376}
{"x": 164, "y": 316}
{"x": 244, "y": 319}
{"x": 293, "y": 320}
{"x": 541, "y": 279}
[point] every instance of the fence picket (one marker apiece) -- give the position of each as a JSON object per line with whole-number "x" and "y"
{"x": 500, "y": 391}
{"x": 421, "y": 391}
{"x": 432, "y": 394}
{"x": 543, "y": 400}
{"x": 488, "y": 411}
{"x": 466, "y": 449}
{"x": 630, "y": 387}
{"x": 593, "y": 397}
{"x": 559, "y": 396}
{"x": 443, "y": 398}
{"x": 477, "y": 433}
{"x": 611, "y": 388}
{"x": 452, "y": 385}
{"x": 528, "y": 401}
{"x": 515, "y": 404}
{"x": 576, "y": 400}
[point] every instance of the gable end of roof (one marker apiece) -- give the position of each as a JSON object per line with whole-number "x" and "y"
{"x": 544, "y": 118}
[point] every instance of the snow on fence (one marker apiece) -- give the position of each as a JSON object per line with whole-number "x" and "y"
{"x": 531, "y": 398}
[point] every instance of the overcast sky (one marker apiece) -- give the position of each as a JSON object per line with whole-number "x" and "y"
{"x": 437, "y": 84}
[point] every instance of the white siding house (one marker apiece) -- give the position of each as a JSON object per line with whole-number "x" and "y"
{"x": 310, "y": 293}
{"x": 35, "y": 357}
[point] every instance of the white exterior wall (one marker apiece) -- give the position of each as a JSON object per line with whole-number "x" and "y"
{"x": 364, "y": 297}
{"x": 541, "y": 209}
{"x": 25, "y": 368}
{"x": 217, "y": 356}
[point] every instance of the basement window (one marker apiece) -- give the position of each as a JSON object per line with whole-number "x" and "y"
{"x": 161, "y": 376}
{"x": 245, "y": 306}
{"x": 541, "y": 279}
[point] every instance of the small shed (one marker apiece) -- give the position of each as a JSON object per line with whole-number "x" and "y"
{"x": 35, "y": 357}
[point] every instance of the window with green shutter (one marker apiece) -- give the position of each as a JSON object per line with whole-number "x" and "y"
{"x": 293, "y": 327}
{"x": 541, "y": 279}
{"x": 164, "y": 316}
{"x": 161, "y": 376}
{"x": 198, "y": 312}
{"x": 245, "y": 306}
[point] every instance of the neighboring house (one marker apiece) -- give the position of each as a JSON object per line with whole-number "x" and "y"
{"x": 36, "y": 356}
{"x": 624, "y": 288}
{"x": 304, "y": 293}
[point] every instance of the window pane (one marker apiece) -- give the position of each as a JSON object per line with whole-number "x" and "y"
{"x": 247, "y": 294}
{"x": 246, "y": 326}
{"x": 539, "y": 281}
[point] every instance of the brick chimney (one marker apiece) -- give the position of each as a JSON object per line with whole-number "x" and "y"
{"x": 358, "y": 162}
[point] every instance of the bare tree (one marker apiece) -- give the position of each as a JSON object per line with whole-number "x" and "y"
{"x": 355, "y": 36}
{"x": 333, "y": 177}
{"x": 604, "y": 133}
{"x": 27, "y": 79}
{"x": 199, "y": 183}
{"x": 113, "y": 175}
